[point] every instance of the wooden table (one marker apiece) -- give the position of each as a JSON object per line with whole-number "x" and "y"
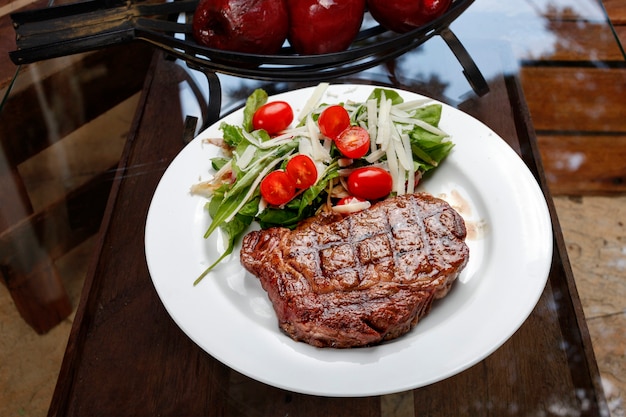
{"x": 126, "y": 355}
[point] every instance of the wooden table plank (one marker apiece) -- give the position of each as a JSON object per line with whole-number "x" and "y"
{"x": 579, "y": 112}
{"x": 566, "y": 99}
{"x": 584, "y": 164}
{"x": 616, "y": 9}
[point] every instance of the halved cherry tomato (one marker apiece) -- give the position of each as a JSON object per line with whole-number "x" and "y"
{"x": 302, "y": 171}
{"x": 274, "y": 117}
{"x": 353, "y": 142}
{"x": 277, "y": 188}
{"x": 370, "y": 183}
{"x": 333, "y": 120}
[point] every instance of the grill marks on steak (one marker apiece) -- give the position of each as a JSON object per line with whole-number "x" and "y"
{"x": 361, "y": 279}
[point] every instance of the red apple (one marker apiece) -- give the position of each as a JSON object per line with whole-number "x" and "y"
{"x": 323, "y": 26}
{"x": 404, "y": 15}
{"x": 253, "y": 26}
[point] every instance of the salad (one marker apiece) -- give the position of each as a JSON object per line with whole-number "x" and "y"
{"x": 341, "y": 157}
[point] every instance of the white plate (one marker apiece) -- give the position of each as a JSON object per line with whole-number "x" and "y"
{"x": 229, "y": 315}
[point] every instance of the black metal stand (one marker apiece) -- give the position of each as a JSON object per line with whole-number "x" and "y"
{"x": 69, "y": 29}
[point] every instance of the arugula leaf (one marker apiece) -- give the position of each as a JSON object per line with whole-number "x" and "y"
{"x": 255, "y": 100}
{"x": 218, "y": 162}
{"x": 232, "y": 231}
{"x": 377, "y": 93}
{"x": 221, "y": 209}
{"x": 428, "y": 149}
{"x": 232, "y": 134}
{"x": 430, "y": 114}
{"x": 274, "y": 217}
{"x": 332, "y": 172}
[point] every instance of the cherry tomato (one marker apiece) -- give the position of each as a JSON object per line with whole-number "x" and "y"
{"x": 333, "y": 120}
{"x": 302, "y": 171}
{"x": 370, "y": 183}
{"x": 353, "y": 142}
{"x": 277, "y": 188}
{"x": 274, "y": 117}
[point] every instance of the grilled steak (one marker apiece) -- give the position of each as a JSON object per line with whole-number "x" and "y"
{"x": 361, "y": 279}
